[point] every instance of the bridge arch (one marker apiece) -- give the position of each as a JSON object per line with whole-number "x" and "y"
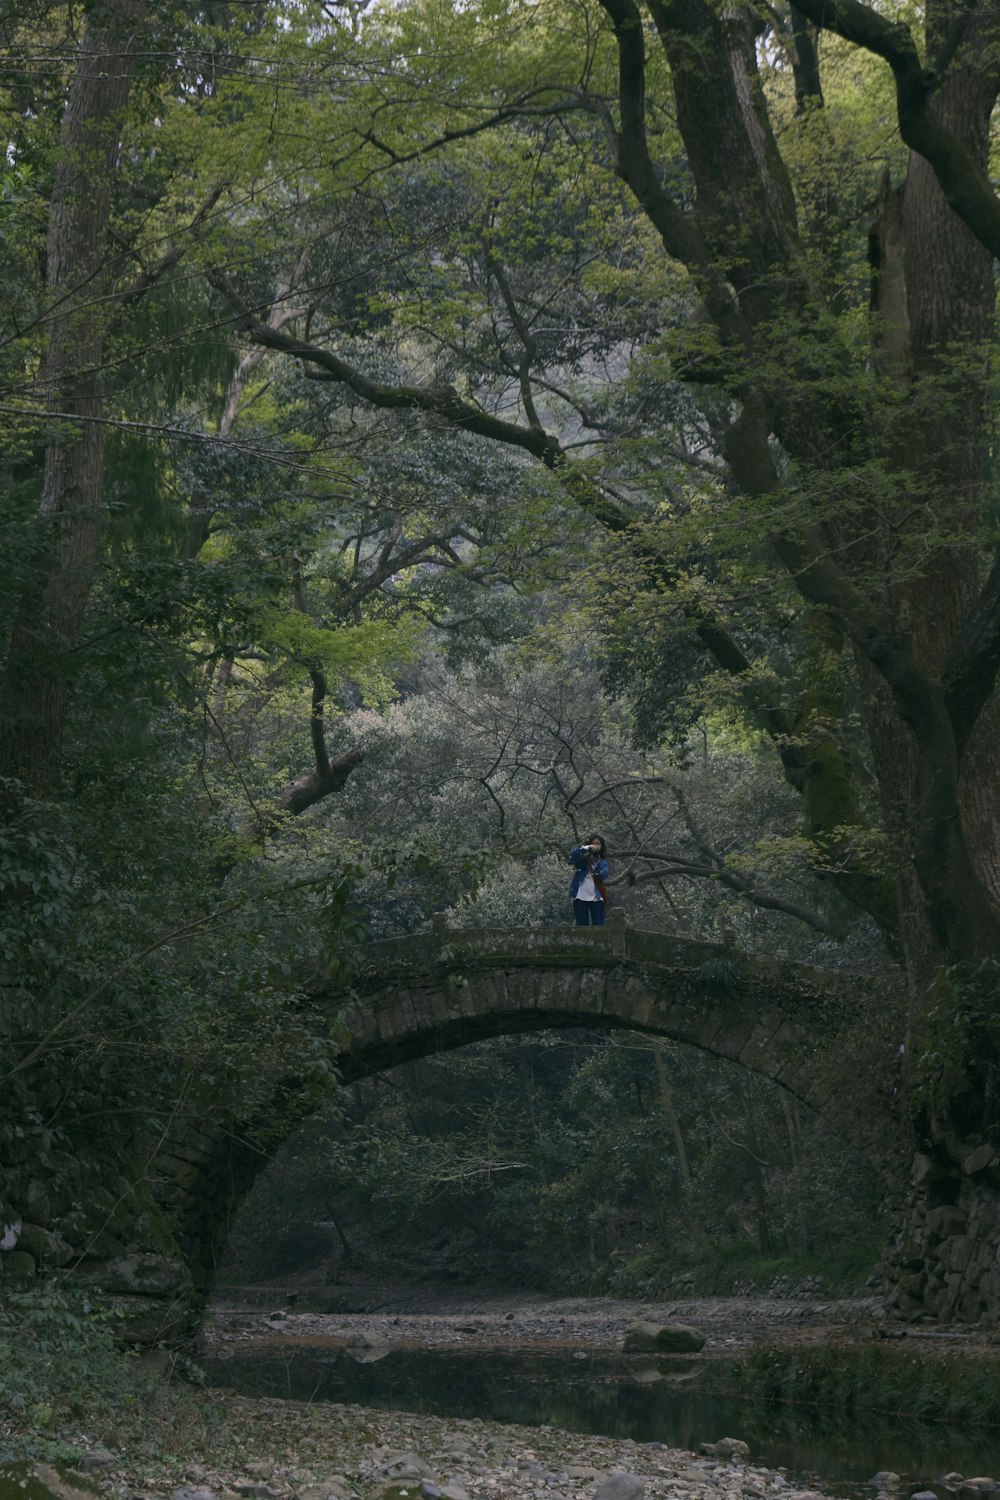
{"x": 792, "y": 1023}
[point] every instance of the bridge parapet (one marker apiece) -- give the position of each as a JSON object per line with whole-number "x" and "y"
{"x": 710, "y": 965}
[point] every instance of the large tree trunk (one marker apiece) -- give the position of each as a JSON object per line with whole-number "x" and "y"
{"x": 950, "y": 297}
{"x": 943, "y": 1261}
{"x": 939, "y": 784}
{"x": 52, "y": 608}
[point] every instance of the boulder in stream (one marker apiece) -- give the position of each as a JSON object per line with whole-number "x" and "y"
{"x": 663, "y": 1338}
{"x": 726, "y": 1447}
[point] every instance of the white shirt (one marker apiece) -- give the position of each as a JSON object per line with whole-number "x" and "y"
{"x": 587, "y": 890}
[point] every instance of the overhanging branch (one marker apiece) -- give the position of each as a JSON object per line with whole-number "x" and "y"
{"x": 965, "y": 186}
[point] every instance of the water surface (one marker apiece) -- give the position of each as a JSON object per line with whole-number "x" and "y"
{"x": 622, "y": 1397}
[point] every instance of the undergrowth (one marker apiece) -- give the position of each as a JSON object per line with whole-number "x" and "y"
{"x": 65, "y": 1383}
{"x": 739, "y": 1269}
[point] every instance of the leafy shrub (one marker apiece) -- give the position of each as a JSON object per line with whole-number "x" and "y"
{"x": 59, "y": 1359}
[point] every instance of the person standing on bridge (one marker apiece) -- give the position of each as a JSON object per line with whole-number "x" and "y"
{"x": 587, "y": 889}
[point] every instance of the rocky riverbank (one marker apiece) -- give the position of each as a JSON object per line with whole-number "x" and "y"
{"x": 296, "y": 1451}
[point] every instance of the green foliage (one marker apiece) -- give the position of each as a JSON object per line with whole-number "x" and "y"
{"x": 555, "y": 1160}
{"x": 286, "y": 573}
{"x": 957, "y": 1047}
{"x": 873, "y": 1379}
{"x": 60, "y": 1367}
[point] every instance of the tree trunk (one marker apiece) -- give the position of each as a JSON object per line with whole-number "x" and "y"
{"x": 667, "y": 1095}
{"x": 51, "y": 610}
{"x": 935, "y": 295}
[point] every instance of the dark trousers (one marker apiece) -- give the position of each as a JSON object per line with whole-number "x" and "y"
{"x": 588, "y": 913}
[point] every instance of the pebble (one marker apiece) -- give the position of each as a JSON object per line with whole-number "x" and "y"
{"x": 98, "y": 1458}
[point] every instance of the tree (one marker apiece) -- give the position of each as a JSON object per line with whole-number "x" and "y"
{"x": 517, "y": 759}
{"x": 859, "y": 467}
{"x": 736, "y": 373}
{"x": 72, "y": 489}
{"x": 788, "y": 361}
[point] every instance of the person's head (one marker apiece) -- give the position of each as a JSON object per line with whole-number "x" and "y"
{"x": 595, "y": 838}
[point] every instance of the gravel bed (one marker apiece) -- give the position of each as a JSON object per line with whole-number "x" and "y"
{"x": 297, "y": 1451}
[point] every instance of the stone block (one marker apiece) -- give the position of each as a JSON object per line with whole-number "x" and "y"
{"x": 593, "y": 992}
{"x": 936, "y": 1299}
{"x": 909, "y": 1255}
{"x": 726, "y": 1447}
{"x": 620, "y": 1486}
{"x": 941, "y": 1223}
{"x": 487, "y": 999}
{"x": 979, "y": 1159}
{"x": 789, "y": 1043}
{"x": 757, "y": 1050}
{"x": 48, "y": 1249}
{"x": 636, "y": 999}
{"x": 466, "y": 997}
{"x": 926, "y": 1170}
{"x": 546, "y": 988}
{"x": 142, "y": 1275}
{"x": 956, "y": 1253}
{"x": 388, "y": 1017}
{"x": 428, "y": 1008}
{"x": 409, "y": 1010}
{"x": 567, "y": 990}
{"x": 508, "y": 997}
{"x": 17, "y": 1268}
{"x": 733, "y": 1030}
{"x": 38, "y": 1204}
{"x": 908, "y": 1305}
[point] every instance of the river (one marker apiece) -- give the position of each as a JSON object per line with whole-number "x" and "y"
{"x": 558, "y": 1367}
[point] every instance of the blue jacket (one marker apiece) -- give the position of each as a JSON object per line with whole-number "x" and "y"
{"x": 584, "y": 860}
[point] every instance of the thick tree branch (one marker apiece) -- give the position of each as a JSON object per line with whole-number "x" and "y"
{"x": 316, "y": 784}
{"x": 966, "y": 188}
{"x": 970, "y": 673}
{"x": 679, "y": 232}
{"x": 150, "y": 275}
{"x": 529, "y": 344}
{"x": 446, "y": 405}
{"x": 438, "y": 401}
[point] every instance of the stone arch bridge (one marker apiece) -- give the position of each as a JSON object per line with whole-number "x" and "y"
{"x": 796, "y": 1025}
{"x": 157, "y": 1230}
{"x": 450, "y": 988}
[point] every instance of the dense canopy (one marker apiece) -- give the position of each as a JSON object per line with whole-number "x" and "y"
{"x": 434, "y": 431}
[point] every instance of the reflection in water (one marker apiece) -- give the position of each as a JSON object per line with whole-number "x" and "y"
{"x": 618, "y": 1398}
